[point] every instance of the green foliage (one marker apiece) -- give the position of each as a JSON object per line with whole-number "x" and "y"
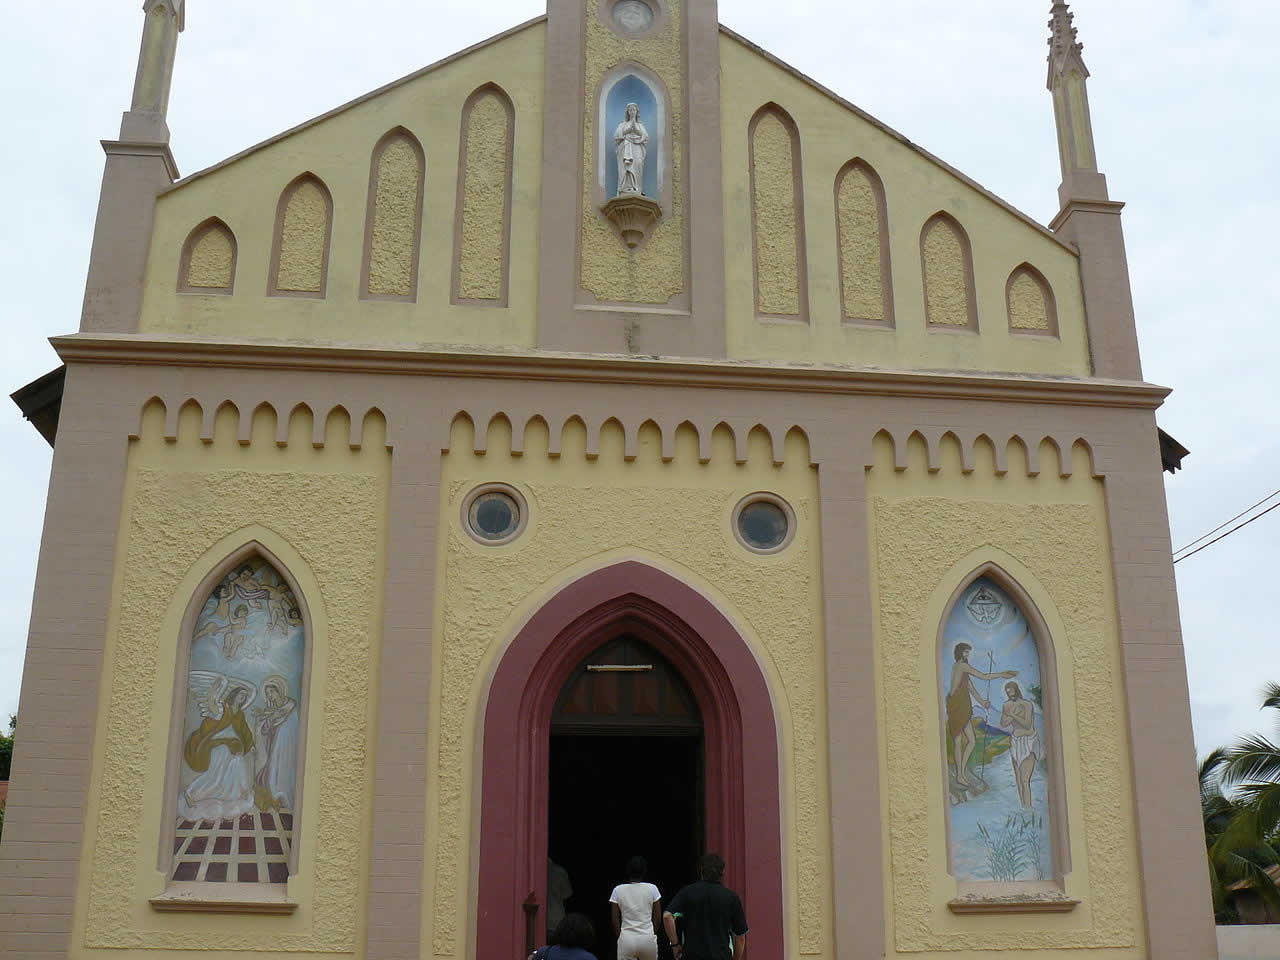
{"x": 6, "y": 748}
{"x": 1014, "y": 848}
{"x": 1242, "y": 829}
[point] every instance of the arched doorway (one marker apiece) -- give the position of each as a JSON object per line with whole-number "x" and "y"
{"x": 625, "y": 779}
{"x": 740, "y": 782}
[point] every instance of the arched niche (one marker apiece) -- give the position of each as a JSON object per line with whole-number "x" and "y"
{"x": 300, "y": 245}
{"x": 208, "y": 261}
{"x": 393, "y": 218}
{"x": 632, "y": 83}
{"x": 1030, "y": 303}
{"x": 1002, "y": 777}
{"x": 946, "y": 263}
{"x": 238, "y": 728}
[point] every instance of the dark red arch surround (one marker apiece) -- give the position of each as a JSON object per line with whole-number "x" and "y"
{"x": 743, "y": 819}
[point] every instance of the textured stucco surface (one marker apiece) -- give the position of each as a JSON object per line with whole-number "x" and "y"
{"x": 1055, "y": 529}
{"x": 946, "y": 275}
{"x": 654, "y": 272}
{"x": 777, "y": 254}
{"x": 245, "y": 193}
{"x": 304, "y": 229}
{"x": 484, "y": 201}
{"x": 860, "y": 247}
{"x": 396, "y": 203}
{"x": 213, "y": 258}
{"x": 1027, "y": 307}
{"x": 582, "y": 511}
{"x": 184, "y": 499}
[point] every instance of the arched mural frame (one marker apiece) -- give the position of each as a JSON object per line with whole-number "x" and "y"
{"x": 994, "y": 569}
{"x": 250, "y": 546}
{"x": 732, "y": 693}
{"x": 605, "y": 124}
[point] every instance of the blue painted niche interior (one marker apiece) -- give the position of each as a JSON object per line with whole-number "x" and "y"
{"x": 630, "y": 88}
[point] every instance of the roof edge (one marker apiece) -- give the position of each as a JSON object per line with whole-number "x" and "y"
{"x": 901, "y": 138}
{"x": 407, "y": 78}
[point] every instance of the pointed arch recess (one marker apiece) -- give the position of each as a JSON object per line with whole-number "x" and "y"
{"x": 862, "y": 245}
{"x": 482, "y": 221}
{"x": 741, "y": 742}
{"x": 208, "y": 261}
{"x": 271, "y": 824}
{"x": 777, "y": 216}
{"x": 1047, "y": 893}
{"x": 946, "y": 264}
{"x": 300, "y": 245}
{"x": 393, "y": 218}
{"x": 1030, "y": 303}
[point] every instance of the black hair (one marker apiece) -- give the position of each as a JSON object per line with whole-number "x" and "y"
{"x": 636, "y": 869}
{"x": 575, "y": 930}
{"x": 961, "y": 650}
{"x": 712, "y": 867}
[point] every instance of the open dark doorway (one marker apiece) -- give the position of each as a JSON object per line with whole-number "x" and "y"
{"x": 625, "y": 778}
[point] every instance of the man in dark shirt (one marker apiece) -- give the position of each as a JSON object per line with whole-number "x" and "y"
{"x": 712, "y": 914}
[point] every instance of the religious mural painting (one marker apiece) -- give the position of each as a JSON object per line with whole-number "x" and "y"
{"x": 997, "y": 769}
{"x": 238, "y": 784}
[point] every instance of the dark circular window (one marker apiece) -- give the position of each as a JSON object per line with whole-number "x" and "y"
{"x": 494, "y": 513}
{"x": 764, "y": 523}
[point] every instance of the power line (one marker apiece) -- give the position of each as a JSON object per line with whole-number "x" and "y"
{"x": 1228, "y": 533}
{"x": 1225, "y": 522}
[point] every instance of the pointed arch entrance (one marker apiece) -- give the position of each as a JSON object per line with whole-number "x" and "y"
{"x": 740, "y": 764}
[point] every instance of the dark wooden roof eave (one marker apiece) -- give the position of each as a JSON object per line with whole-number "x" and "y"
{"x": 41, "y": 402}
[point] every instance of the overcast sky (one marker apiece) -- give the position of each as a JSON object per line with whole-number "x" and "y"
{"x": 1180, "y": 95}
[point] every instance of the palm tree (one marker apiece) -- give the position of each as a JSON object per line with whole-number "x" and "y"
{"x": 1242, "y": 830}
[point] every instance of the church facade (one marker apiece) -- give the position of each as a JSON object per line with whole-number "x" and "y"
{"x": 605, "y": 441}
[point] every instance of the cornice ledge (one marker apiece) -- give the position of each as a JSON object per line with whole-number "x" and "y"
{"x": 1084, "y": 206}
{"x": 169, "y": 350}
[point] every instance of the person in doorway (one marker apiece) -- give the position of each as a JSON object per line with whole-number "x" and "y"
{"x": 637, "y": 914}
{"x": 574, "y": 937}
{"x": 713, "y": 917}
{"x": 559, "y": 889}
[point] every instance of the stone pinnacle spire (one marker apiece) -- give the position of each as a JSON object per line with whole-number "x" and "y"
{"x": 145, "y": 119}
{"x": 1067, "y": 75}
{"x": 1064, "y": 48}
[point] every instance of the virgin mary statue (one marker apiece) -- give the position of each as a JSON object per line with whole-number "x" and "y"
{"x": 631, "y": 141}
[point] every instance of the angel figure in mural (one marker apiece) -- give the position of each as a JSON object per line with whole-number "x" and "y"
{"x": 276, "y": 724}
{"x": 960, "y": 697}
{"x": 1018, "y": 716}
{"x": 219, "y": 750}
{"x": 631, "y": 141}
{"x": 234, "y": 631}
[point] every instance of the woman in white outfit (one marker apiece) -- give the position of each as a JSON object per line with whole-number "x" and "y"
{"x": 637, "y": 912}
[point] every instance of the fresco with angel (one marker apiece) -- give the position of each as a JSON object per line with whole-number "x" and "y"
{"x": 997, "y": 768}
{"x": 240, "y": 740}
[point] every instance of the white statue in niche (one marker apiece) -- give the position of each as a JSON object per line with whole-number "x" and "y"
{"x": 631, "y": 141}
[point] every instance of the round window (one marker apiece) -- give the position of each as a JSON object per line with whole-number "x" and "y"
{"x": 632, "y": 16}
{"x": 494, "y": 513}
{"x": 764, "y": 523}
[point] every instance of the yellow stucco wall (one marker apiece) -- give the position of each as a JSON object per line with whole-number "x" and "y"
{"x": 338, "y": 149}
{"x": 397, "y": 210}
{"x": 945, "y": 263}
{"x": 188, "y": 505}
{"x": 304, "y": 228}
{"x": 485, "y": 177}
{"x": 213, "y": 258}
{"x": 929, "y": 532}
{"x": 778, "y": 273}
{"x": 861, "y": 246}
{"x": 588, "y": 513}
{"x": 1027, "y": 307}
{"x": 915, "y": 189}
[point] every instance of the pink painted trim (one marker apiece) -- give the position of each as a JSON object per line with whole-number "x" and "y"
{"x": 743, "y": 819}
